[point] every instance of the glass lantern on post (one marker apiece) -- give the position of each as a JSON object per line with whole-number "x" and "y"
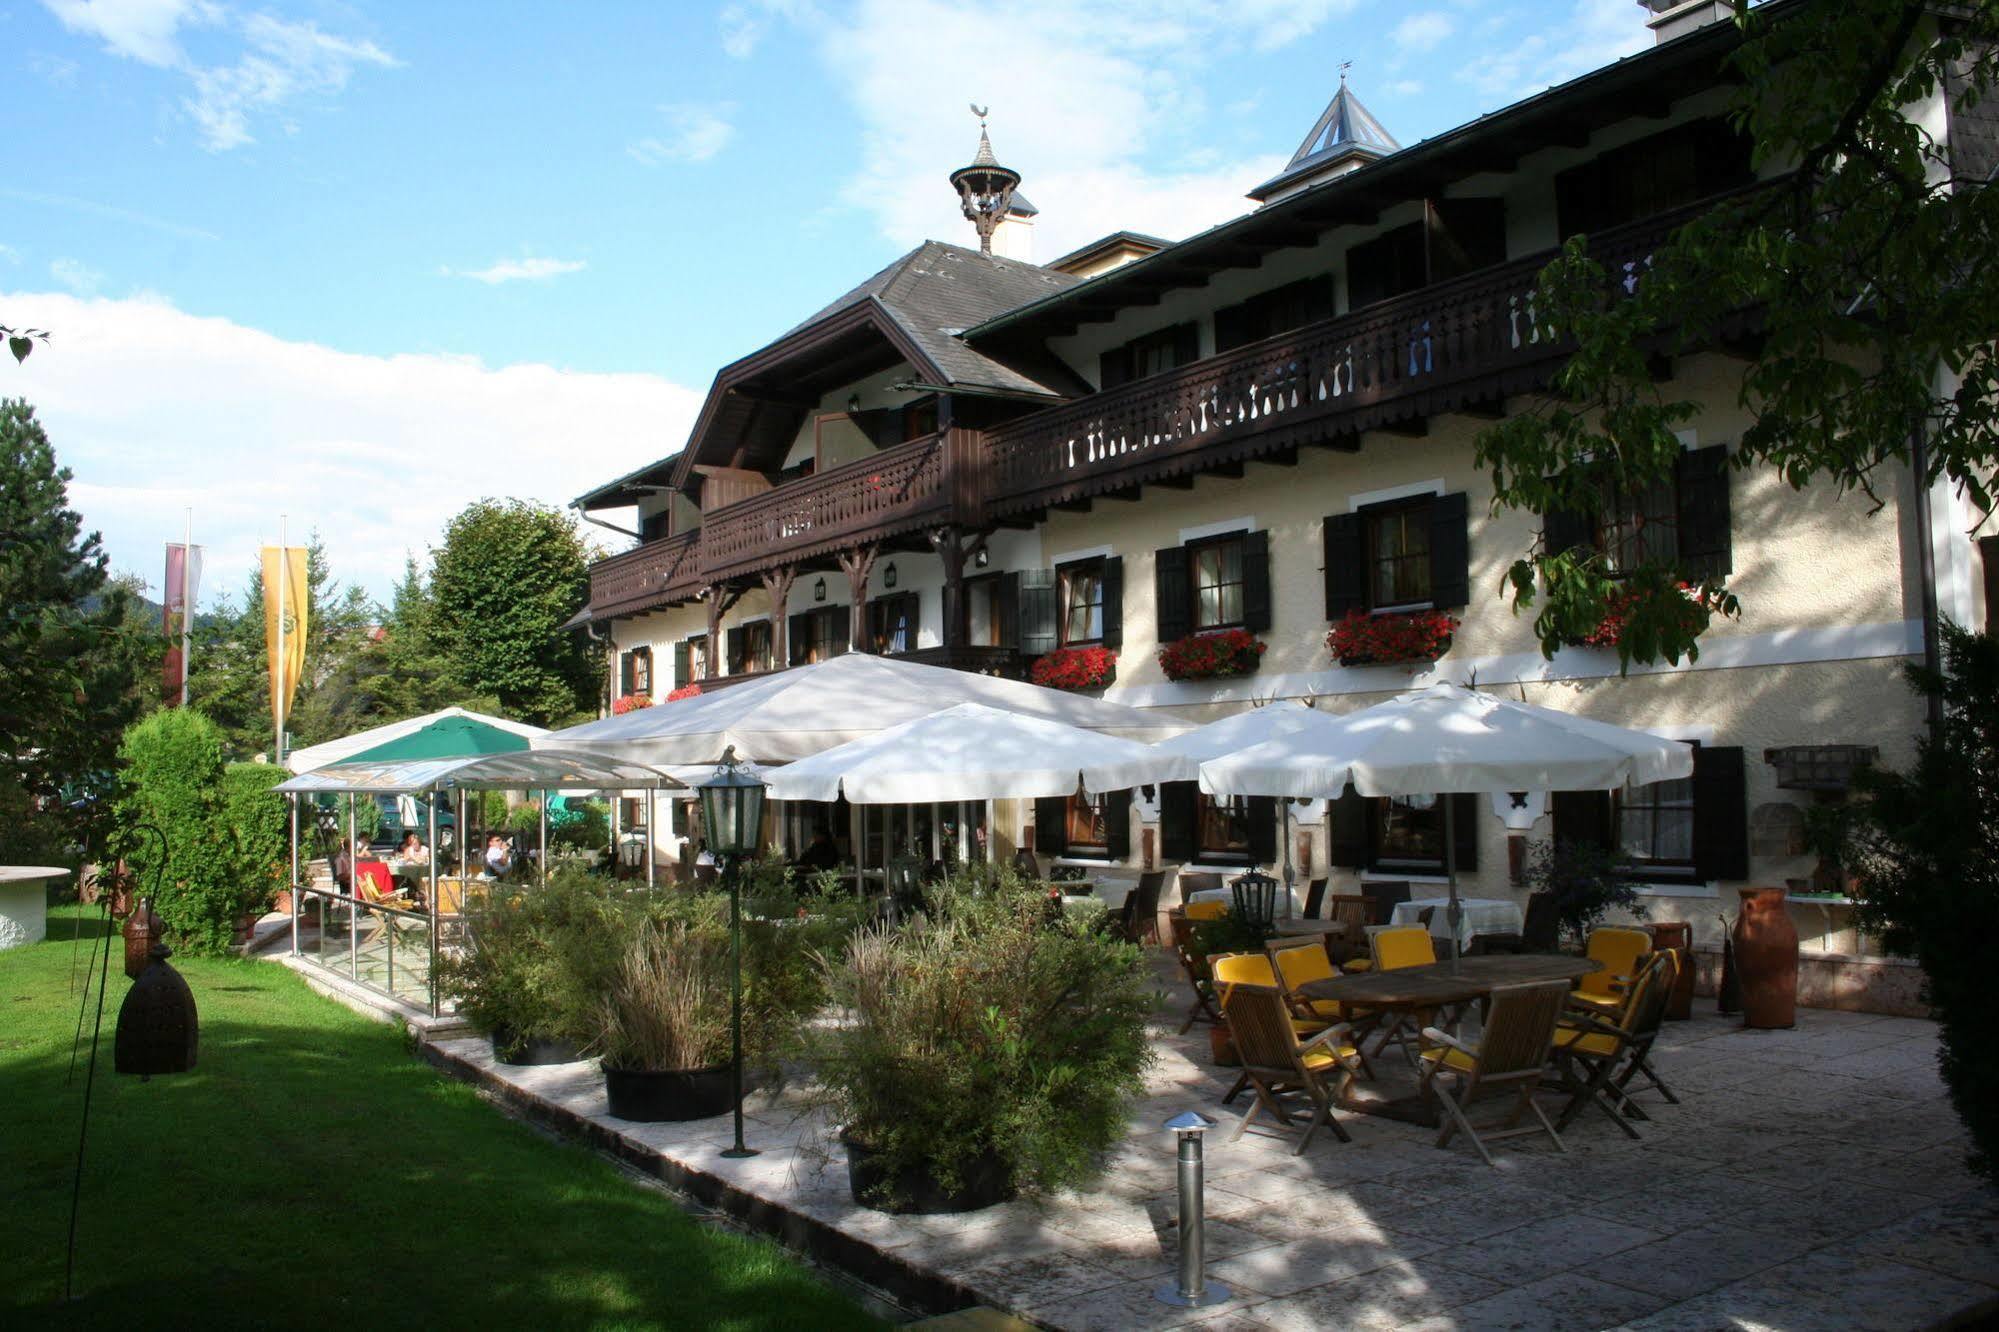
{"x": 732, "y": 808}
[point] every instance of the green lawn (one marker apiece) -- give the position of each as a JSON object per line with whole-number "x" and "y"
{"x": 312, "y": 1171}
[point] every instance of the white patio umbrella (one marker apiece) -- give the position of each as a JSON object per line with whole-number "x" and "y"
{"x": 796, "y": 713}
{"x": 1281, "y": 719}
{"x": 975, "y": 752}
{"x": 1447, "y": 739}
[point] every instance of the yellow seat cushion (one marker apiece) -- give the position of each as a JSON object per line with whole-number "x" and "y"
{"x": 1577, "y": 1041}
{"x": 1358, "y": 964}
{"x": 1332, "y": 1010}
{"x": 1609, "y": 1003}
{"x": 1451, "y": 1057}
{"x": 1207, "y": 910}
{"x": 1321, "y": 1060}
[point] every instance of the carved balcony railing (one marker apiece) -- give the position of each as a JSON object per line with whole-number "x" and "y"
{"x": 655, "y": 574}
{"x": 1434, "y": 350}
{"x": 892, "y": 491}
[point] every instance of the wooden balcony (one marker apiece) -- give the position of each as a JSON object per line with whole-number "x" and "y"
{"x": 899, "y": 489}
{"x": 657, "y": 573}
{"x": 1472, "y": 340}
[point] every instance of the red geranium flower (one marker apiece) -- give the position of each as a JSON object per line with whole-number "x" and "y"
{"x": 1362, "y": 639}
{"x": 1212, "y": 656}
{"x": 1074, "y": 668}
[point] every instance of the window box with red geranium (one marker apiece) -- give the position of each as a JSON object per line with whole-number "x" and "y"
{"x": 1074, "y": 668}
{"x": 685, "y": 691}
{"x": 1213, "y": 656}
{"x": 630, "y": 703}
{"x": 1690, "y": 605}
{"x": 1363, "y": 639}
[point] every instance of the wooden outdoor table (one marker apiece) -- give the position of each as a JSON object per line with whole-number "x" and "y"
{"x": 1310, "y": 928}
{"x": 1436, "y": 985}
{"x": 1428, "y": 988}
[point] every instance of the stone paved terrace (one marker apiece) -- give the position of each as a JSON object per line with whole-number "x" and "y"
{"x": 1812, "y": 1178}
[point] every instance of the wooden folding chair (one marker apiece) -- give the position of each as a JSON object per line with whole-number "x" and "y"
{"x": 1645, "y": 1026}
{"x": 1275, "y": 1062}
{"x": 1622, "y": 953}
{"x": 1591, "y": 1049}
{"x": 1299, "y": 964}
{"x": 1196, "y": 968}
{"x": 1393, "y": 948}
{"x": 1351, "y": 949}
{"x": 1511, "y": 1055}
{"x": 1315, "y": 896}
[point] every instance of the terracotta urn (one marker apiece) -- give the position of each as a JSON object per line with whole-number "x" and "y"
{"x": 1766, "y": 959}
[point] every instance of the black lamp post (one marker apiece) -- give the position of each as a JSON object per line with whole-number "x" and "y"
{"x": 732, "y": 808}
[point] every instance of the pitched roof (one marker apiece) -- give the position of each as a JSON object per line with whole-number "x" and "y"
{"x": 936, "y": 291}
{"x": 1345, "y": 131}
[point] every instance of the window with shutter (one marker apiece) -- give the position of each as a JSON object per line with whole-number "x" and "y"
{"x": 1347, "y": 831}
{"x": 892, "y": 623}
{"x": 1215, "y": 572}
{"x": 1256, "y": 581}
{"x": 733, "y": 654}
{"x": 798, "y": 637}
{"x": 683, "y": 664}
{"x": 1222, "y": 827}
{"x": 1051, "y": 825}
{"x": 1080, "y": 591}
{"x": 1279, "y": 310}
{"x": 983, "y": 625}
{"x": 1263, "y": 830}
{"x": 1086, "y": 825}
{"x": 1174, "y": 597}
{"x": 1581, "y": 818}
{"x": 1450, "y": 551}
{"x": 1407, "y": 833}
{"x": 1683, "y": 521}
{"x": 1343, "y": 538}
{"x": 1705, "y": 538}
{"x": 1387, "y": 266}
{"x": 1179, "y": 819}
{"x": 1038, "y": 609}
{"x": 1721, "y": 813}
{"x": 1397, "y": 538}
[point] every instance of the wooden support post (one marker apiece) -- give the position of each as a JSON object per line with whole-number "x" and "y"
{"x": 777, "y": 582}
{"x": 720, "y": 597}
{"x": 857, "y": 564}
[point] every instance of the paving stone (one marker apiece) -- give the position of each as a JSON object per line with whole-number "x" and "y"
{"x": 1541, "y": 1248}
{"x": 1571, "y": 1302}
{"x": 1961, "y": 1240}
{"x": 1392, "y": 1296}
{"x": 1132, "y": 1305}
{"x": 1300, "y": 1264}
{"x": 1461, "y": 1220}
{"x": 1826, "y": 1292}
{"x": 1017, "y": 1282}
{"x": 1696, "y": 1261}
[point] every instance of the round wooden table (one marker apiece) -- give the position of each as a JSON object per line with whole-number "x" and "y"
{"x": 1436, "y": 985}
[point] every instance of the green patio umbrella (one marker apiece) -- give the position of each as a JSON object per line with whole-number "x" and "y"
{"x": 447, "y": 737}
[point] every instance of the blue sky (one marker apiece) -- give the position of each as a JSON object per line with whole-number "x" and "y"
{"x": 412, "y": 254}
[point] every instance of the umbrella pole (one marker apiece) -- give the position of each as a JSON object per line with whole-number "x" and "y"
{"x": 1290, "y": 877}
{"x": 542, "y": 862}
{"x": 1454, "y": 913}
{"x": 652, "y": 812}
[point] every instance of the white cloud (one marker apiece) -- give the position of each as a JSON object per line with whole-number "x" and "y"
{"x": 1091, "y": 102}
{"x": 519, "y": 270}
{"x": 742, "y": 28}
{"x": 1406, "y": 87}
{"x": 1421, "y": 32}
{"x": 694, "y": 134}
{"x": 78, "y": 277}
{"x": 156, "y": 409}
{"x": 279, "y": 61}
{"x": 10, "y": 254}
{"x": 1588, "y": 35}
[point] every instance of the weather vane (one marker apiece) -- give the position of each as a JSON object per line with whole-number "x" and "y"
{"x": 1345, "y": 65}
{"x": 980, "y": 112}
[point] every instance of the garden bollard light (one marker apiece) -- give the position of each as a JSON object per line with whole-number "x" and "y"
{"x": 1191, "y": 1289}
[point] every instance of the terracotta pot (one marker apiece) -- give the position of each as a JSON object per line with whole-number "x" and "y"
{"x": 1766, "y": 958}
{"x": 1222, "y": 1045}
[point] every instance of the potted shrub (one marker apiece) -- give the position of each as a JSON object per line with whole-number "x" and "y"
{"x": 529, "y": 972}
{"x": 1364, "y": 639}
{"x": 1586, "y": 885}
{"x": 1212, "y": 656}
{"x": 1691, "y": 606}
{"x": 988, "y": 1050}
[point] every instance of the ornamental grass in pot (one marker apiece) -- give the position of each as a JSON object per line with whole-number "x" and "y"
{"x": 663, "y": 1023}
{"x": 985, "y": 1050}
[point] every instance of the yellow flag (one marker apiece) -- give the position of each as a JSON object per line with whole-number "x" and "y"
{"x": 288, "y": 664}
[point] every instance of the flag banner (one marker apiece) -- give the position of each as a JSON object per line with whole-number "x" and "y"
{"x": 170, "y": 676}
{"x": 174, "y": 590}
{"x": 178, "y": 598}
{"x": 287, "y": 562}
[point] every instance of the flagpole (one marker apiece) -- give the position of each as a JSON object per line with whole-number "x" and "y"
{"x": 278, "y": 681}
{"x": 186, "y": 605}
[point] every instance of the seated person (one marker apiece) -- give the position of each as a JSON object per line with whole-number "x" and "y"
{"x": 412, "y": 850}
{"x": 821, "y": 854}
{"x": 341, "y": 865}
{"x": 499, "y": 856}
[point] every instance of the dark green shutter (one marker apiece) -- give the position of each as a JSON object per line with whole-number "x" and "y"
{"x": 798, "y": 637}
{"x": 842, "y": 623}
{"x": 1346, "y": 831}
{"x": 1231, "y": 328}
{"x": 1117, "y": 825}
{"x": 1114, "y": 601}
{"x": 1450, "y": 551}
{"x": 627, "y": 664}
{"x": 1263, "y": 829}
{"x": 1114, "y": 367}
{"x": 1705, "y": 535}
{"x": 1178, "y": 815}
{"x": 1174, "y": 593}
{"x": 682, "y": 663}
{"x": 1051, "y": 825}
{"x": 1582, "y": 818}
{"x": 736, "y": 664}
{"x": 1006, "y": 601}
{"x": 1186, "y": 344}
{"x": 1256, "y": 581}
{"x": 1037, "y": 610}
{"x": 1344, "y": 542}
{"x": 1464, "y": 830}
{"x": 1721, "y": 813}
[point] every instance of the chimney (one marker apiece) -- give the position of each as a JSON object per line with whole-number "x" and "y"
{"x": 1677, "y": 18}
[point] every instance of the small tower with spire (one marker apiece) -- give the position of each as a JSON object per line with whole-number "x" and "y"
{"x": 985, "y": 188}
{"x": 1345, "y": 138}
